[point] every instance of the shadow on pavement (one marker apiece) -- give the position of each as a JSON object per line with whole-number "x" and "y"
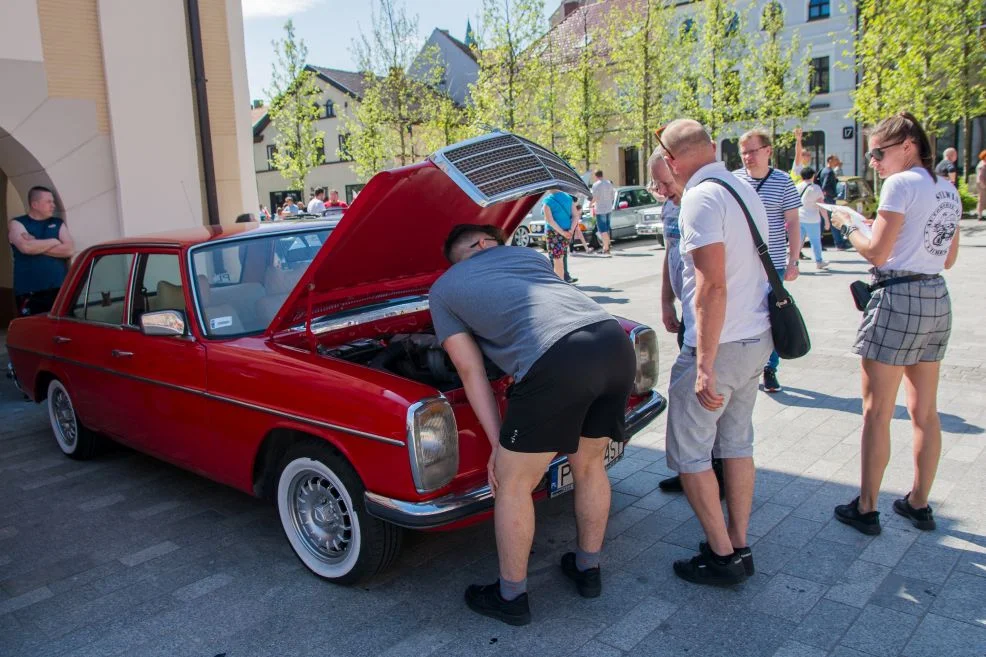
{"x": 810, "y": 399}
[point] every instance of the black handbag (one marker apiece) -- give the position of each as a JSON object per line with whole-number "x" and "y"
{"x": 786, "y": 324}
{"x": 862, "y": 292}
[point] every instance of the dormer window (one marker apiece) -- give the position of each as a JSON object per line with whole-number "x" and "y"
{"x": 330, "y": 109}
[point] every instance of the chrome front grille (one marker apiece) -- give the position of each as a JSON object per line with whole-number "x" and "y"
{"x": 501, "y": 166}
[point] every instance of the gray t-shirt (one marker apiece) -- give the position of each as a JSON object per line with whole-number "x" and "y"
{"x": 672, "y": 237}
{"x": 512, "y": 303}
{"x": 604, "y": 194}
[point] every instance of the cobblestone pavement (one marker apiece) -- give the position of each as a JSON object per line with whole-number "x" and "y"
{"x": 125, "y": 555}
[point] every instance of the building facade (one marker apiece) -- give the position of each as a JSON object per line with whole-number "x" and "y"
{"x": 99, "y": 105}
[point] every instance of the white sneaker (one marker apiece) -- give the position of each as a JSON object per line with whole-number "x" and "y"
{"x": 821, "y": 264}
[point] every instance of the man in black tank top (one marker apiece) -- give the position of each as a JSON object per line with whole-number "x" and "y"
{"x": 41, "y": 246}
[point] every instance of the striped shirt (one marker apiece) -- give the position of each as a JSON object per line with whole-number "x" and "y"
{"x": 778, "y": 195}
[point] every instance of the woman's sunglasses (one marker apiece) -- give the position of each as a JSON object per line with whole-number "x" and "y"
{"x": 878, "y": 153}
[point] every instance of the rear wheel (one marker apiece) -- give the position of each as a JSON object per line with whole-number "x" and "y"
{"x": 320, "y": 504}
{"x": 73, "y": 438}
{"x": 522, "y": 236}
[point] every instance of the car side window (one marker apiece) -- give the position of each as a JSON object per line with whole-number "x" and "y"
{"x": 840, "y": 191}
{"x": 644, "y": 197}
{"x": 102, "y": 297}
{"x": 625, "y": 197}
{"x": 157, "y": 285}
{"x": 853, "y": 191}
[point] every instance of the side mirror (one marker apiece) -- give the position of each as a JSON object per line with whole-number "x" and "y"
{"x": 623, "y": 205}
{"x": 163, "y": 322}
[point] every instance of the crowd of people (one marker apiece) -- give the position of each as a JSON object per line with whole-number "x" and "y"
{"x": 573, "y": 374}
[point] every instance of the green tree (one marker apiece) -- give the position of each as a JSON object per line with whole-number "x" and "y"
{"x": 543, "y": 62}
{"x": 646, "y": 57}
{"x": 780, "y": 77}
{"x": 293, "y": 101}
{"x": 967, "y": 81}
{"x": 712, "y": 93}
{"x": 586, "y": 113}
{"x": 394, "y": 98}
{"x": 503, "y": 89}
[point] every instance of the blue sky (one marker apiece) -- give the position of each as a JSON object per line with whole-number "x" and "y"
{"x": 328, "y": 27}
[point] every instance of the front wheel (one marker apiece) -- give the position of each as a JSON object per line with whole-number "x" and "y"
{"x": 320, "y": 504}
{"x": 73, "y": 438}
{"x": 522, "y": 236}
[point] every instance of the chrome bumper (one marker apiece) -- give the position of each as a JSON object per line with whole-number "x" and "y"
{"x": 458, "y": 506}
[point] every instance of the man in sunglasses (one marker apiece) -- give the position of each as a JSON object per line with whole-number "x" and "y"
{"x": 573, "y": 369}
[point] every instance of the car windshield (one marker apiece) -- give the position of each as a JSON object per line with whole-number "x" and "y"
{"x": 241, "y": 284}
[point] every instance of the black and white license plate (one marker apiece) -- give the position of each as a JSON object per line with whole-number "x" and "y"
{"x": 560, "y": 478}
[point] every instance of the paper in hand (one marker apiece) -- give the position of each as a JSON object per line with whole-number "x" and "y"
{"x": 858, "y": 220}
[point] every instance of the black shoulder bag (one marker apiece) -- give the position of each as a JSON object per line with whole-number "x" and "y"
{"x": 786, "y": 324}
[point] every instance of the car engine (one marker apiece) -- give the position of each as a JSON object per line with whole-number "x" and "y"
{"x": 416, "y": 356}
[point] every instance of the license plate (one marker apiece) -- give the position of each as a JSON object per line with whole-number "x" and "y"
{"x": 560, "y": 478}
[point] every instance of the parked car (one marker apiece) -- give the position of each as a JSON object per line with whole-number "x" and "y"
{"x": 633, "y": 205}
{"x": 856, "y": 193}
{"x": 522, "y": 234}
{"x": 297, "y": 361}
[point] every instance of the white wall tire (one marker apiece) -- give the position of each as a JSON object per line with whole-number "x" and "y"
{"x": 74, "y": 439}
{"x": 320, "y": 505}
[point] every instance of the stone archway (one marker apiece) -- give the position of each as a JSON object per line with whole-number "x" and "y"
{"x": 57, "y": 143}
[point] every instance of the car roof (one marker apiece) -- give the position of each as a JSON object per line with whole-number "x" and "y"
{"x": 188, "y": 237}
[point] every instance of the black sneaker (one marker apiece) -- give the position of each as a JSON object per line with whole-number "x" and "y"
{"x": 745, "y": 555}
{"x": 920, "y": 518}
{"x": 486, "y": 600}
{"x": 770, "y": 382}
{"x": 588, "y": 582}
{"x": 867, "y": 523}
{"x": 702, "y": 569}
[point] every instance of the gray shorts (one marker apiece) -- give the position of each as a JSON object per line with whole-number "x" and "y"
{"x": 907, "y": 323}
{"x": 695, "y": 433}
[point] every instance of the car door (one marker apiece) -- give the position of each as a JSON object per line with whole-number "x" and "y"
{"x": 86, "y": 333}
{"x": 162, "y": 378}
{"x": 624, "y": 220}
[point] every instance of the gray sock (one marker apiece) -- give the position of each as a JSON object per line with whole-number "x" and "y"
{"x": 585, "y": 560}
{"x": 511, "y": 590}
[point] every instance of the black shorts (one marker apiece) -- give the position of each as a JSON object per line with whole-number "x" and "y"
{"x": 579, "y": 387}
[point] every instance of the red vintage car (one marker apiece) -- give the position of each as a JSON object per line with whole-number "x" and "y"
{"x": 296, "y": 360}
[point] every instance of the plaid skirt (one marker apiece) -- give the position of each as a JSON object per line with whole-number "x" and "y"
{"x": 907, "y": 323}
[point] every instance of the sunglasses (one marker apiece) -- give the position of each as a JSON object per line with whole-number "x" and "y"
{"x": 481, "y": 240}
{"x": 657, "y": 134}
{"x": 878, "y": 152}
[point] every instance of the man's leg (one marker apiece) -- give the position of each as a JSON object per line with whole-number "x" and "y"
{"x": 702, "y": 491}
{"x": 592, "y": 493}
{"x": 739, "y": 498}
{"x": 517, "y": 475}
{"x": 770, "y": 382}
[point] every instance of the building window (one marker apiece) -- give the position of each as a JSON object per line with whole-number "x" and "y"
{"x": 344, "y": 147}
{"x": 330, "y": 109}
{"x": 271, "y": 151}
{"x": 820, "y": 75}
{"x": 818, "y": 9}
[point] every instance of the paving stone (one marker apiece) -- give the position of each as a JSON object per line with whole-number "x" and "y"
{"x": 963, "y": 597}
{"x": 795, "y": 649}
{"x": 643, "y": 619}
{"x": 770, "y": 558}
{"x": 24, "y": 600}
{"x": 937, "y": 636}
{"x": 881, "y": 632}
{"x": 654, "y": 500}
{"x": 825, "y": 624}
{"x": 788, "y": 597}
{"x": 822, "y": 561}
{"x": 597, "y": 649}
{"x": 149, "y": 553}
{"x": 639, "y": 483}
{"x": 620, "y": 522}
{"x": 102, "y": 502}
{"x": 911, "y": 596}
{"x": 793, "y": 532}
{"x": 202, "y": 587}
{"x": 766, "y": 517}
{"x": 931, "y": 564}
{"x": 859, "y": 583}
{"x": 726, "y": 632}
{"x": 892, "y": 545}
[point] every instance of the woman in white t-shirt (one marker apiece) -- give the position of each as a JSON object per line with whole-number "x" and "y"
{"x": 808, "y": 215}
{"x": 907, "y": 322}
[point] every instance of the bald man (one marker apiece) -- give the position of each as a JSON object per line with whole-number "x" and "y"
{"x": 713, "y": 385}
{"x": 947, "y": 168}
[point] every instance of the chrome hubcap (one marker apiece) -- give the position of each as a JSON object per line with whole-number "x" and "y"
{"x": 522, "y": 237}
{"x": 65, "y": 417}
{"x": 321, "y": 516}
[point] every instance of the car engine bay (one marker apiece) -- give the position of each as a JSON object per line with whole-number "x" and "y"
{"x": 415, "y": 356}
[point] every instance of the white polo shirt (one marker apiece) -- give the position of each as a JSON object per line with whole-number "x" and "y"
{"x": 709, "y": 214}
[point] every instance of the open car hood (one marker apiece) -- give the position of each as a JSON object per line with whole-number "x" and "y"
{"x": 389, "y": 243}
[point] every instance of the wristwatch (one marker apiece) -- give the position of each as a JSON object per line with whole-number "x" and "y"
{"x": 848, "y": 230}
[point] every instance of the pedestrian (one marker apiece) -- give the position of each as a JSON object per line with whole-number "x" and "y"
{"x": 334, "y": 201}
{"x": 713, "y": 384}
{"x": 802, "y": 158}
{"x": 981, "y": 187}
{"x": 573, "y": 369}
{"x": 809, "y": 214}
{"x": 41, "y": 246}
{"x": 560, "y": 212}
{"x": 828, "y": 180}
{"x": 289, "y": 208}
{"x": 665, "y": 185}
{"x": 264, "y": 213}
{"x": 947, "y": 168}
{"x": 907, "y": 322}
{"x": 603, "y": 201}
{"x": 317, "y": 204}
{"x": 782, "y": 202}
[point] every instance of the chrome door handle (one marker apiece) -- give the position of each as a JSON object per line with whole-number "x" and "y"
{"x": 117, "y": 353}
{"x": 60, "y": 340}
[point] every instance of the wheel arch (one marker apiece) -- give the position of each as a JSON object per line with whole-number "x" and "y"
{"x": 276, "y": 444}
{"x": 41, "y": 382}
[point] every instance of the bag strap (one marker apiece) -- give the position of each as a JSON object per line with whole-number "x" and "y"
{"x": 764, "y": 179}
{"x": 775, "y": 281}
{"x": 902, "y": 279}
